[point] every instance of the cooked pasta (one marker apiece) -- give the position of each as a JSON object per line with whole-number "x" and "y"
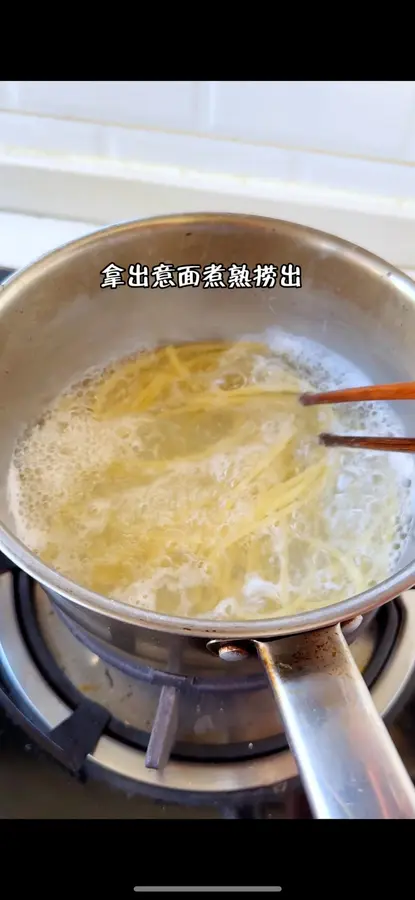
{"x": 189, "y": 480}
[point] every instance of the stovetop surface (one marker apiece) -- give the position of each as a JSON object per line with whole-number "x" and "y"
{"x": 34, "y": 786}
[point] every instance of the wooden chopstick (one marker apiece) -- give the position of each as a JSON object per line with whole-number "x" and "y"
{"x": 397, "y": 445}
{"x": 403, "y": 391}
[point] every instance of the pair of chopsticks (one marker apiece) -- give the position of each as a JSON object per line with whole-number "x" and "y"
{"x": 403, "y": 391}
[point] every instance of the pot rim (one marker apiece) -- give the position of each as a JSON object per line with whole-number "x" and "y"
{"x": 311, "y": 620}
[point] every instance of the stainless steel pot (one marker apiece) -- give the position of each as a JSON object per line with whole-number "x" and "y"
{"x": 56, "y": 321}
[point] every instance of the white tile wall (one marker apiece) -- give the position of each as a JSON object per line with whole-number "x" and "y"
{"x": 156, "y": 104}
{"x": 47, "y": 135}
{"x": 366, "y": 119}
{"x": 4, "y": 93}
{"x": 352, "y": 140}
{"x": 356, "y": 118}
{"x": 409, "y": 152}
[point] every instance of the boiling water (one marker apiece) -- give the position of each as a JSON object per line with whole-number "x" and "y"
{"x": 190, "y": 481}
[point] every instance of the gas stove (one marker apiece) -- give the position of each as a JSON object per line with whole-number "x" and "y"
{"x": 89, "y": 732}
{"x": 85, "y": 735}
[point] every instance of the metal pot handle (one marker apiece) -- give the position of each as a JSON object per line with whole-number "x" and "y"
{"x": 347, "y": 761}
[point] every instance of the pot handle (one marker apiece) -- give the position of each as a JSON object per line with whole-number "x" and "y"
{"x": 347, "y": 761}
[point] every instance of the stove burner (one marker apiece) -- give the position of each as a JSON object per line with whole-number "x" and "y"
{"x": 143, "y": 731}
{"x": 203, "y": 697}
{"x": 130, "y": 666}
{"x": 160, "y": 736}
